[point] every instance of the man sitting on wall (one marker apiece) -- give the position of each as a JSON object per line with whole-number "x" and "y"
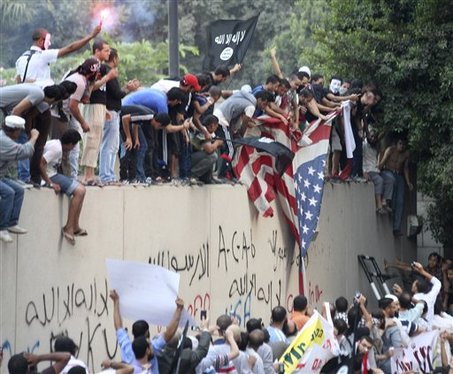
{"x": 11, "y": 192}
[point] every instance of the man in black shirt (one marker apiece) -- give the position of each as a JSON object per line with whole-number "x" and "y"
{"x": 95, "y": 112}
{"x": 111, "y": 134}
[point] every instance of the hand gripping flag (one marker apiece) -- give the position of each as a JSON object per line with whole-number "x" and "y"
{"x": 266, "y": 176}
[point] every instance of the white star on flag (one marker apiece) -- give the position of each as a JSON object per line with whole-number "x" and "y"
{"x": 310, "y": 162}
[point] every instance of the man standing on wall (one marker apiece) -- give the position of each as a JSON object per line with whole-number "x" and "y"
{"x": 34, "y": 67}
{"x": 395, "y": 169}
{"x": 95, "y": 112}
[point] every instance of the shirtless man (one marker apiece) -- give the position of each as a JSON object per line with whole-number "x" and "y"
{"x": 395, "y": 169}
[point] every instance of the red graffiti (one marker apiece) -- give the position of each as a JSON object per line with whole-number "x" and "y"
{"x": 315, "y": 293}
{"x": 200, "y": 302}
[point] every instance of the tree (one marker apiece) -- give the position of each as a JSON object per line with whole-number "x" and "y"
{"x": 405, "y": 47}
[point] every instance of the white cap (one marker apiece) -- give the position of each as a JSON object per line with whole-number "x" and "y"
{"x": 305, "y": 69}
{"x": 15, "y": 122}
{"x": 390, "y": 296}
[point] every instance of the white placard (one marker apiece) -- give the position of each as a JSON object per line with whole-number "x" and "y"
{"x": 146, "y": 291}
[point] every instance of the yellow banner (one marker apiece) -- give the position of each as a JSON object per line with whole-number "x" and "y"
{"x": 311, "y": 333}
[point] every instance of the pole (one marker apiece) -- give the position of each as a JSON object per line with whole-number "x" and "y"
{"x": 173, "y": 39}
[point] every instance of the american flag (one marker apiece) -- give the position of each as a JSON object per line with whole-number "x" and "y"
{"x": 300, "y": 193}
{"x": 257, "y": 171}
{"x": 309, "y": 164}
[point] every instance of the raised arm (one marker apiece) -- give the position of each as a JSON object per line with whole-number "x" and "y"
{"x": 173, "y": 325}
{"x": 75, "y": 46}
{"x": 229, "y": 337}
{"x": 275, "y": 64}
{"x": 117, "y": 320}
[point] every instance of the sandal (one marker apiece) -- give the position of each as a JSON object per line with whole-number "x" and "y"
{"x": 70, "y": 238}
{"x": 81, "y": 232}
{"x": 93, "y": 183}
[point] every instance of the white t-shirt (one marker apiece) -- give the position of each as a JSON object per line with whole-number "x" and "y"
{"x": 72, "y": 363}
{"x": 52, "y": 153}
{"x": 82, "y": 86}
{"x": 165, "y": 85}
{"x": 38, "y": 70}
{"x": 430, "y": 298}
{"x": 369, "y": 158}
{"x": 258, "y": 368}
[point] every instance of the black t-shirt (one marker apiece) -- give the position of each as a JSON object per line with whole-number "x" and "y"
{"x": 318, "y": 92}
{"x": 100, "y": 95}
{"x": 140, "y": 115}
{"x": 114, "y": 94}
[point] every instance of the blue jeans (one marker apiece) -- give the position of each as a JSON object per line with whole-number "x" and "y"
{"x": 141, "y": 154}
{"x": 11, "y": 198}
{"x": 109, "y": 148}
{"x": 395, "y": 181}
{"x": 23, "y": 166}
{"x": 398, "y": 202}
{"x": 185, "y": 163}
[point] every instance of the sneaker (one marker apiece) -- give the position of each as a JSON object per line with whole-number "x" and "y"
{"x": 158, "y": 181}
{"x": 195, "y": 182}
{"x": 381, "y": 211}
{"x": 26, "y": 185}
{"x": 5, "y": 236}
{"x": 397, "y": 233}
{"x": 16, "y": 229}
{"x": 358, "y": 179}
{"x": 176, "y": 182}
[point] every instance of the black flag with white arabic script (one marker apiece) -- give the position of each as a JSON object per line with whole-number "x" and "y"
{"x": 228, "y": 41}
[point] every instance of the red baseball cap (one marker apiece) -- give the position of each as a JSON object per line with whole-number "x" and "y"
{"x": 191, "y": 80}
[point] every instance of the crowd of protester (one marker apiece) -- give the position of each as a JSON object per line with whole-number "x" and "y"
{"x": 179, "y": 130}
{"x": 364, "y": 340}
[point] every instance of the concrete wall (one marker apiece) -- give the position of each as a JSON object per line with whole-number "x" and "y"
{"x": 426, "y": 244}
{"x": 230, "y": 260}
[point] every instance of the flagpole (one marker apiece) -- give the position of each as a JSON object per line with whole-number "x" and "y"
{"x": 173, "y": 39}
{"x": 302, "y": 277}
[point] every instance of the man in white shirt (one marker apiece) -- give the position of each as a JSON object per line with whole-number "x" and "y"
{"x": 33, "y": 66}
{"x": 426, "y": 289}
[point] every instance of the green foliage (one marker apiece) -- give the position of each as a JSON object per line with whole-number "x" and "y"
{"x": 195, "y": 16}
{"x": 405, "y": 47}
